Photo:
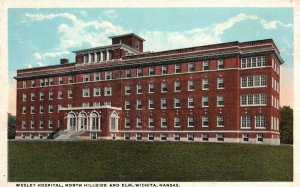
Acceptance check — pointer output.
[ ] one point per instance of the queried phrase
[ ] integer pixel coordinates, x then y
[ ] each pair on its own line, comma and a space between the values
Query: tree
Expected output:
286, 125
11, 130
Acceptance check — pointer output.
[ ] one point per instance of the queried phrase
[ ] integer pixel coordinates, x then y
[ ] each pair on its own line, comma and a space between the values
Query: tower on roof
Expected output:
130, 39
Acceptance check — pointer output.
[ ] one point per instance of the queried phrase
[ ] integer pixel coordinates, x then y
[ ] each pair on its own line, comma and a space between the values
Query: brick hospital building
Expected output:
227, 92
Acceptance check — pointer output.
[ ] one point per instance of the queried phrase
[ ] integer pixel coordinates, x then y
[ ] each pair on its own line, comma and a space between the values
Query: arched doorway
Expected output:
94, 120
114, 121
72, 121
83, 121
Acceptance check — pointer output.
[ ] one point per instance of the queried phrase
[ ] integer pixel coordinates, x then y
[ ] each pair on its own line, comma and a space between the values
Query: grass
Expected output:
33, 161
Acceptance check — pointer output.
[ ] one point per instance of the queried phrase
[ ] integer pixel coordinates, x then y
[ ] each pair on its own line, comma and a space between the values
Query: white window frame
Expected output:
220, 121
205, 119
96, 91
245, 122
204, 101
177, 68
139, 122
177, 102
177, 122
127, 105
177, 86
85, 92
190, 120
191, 66
221, 63
139, 105
139, 89
191, 85
164, 69
150, 121
163, 86
205, 82
97, 76
191, 100
127, 90
151, 88
163, 120
151, 70
108, 75
107, 91
220, 83
151, 102
220, 100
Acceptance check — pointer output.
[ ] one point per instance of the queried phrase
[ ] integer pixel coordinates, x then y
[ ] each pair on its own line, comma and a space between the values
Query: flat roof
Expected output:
128, 34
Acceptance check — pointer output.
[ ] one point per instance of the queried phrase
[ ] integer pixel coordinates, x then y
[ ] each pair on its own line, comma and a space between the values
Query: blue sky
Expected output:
40, 37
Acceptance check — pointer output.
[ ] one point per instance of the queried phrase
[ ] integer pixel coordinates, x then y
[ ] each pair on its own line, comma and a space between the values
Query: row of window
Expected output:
276, 67
127, 74
254, 81
275, 102
50, 95
42, 124
190, 136
253, 62
97, 57
274, 123
177, 103
254, 100
260, 121
275, 84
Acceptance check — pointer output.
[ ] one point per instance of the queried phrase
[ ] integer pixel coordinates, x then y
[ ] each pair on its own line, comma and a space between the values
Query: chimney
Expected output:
64, 61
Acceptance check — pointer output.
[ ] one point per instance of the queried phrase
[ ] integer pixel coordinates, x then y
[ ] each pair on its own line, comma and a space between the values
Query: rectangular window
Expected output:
260, 137
163, 137
163, 103
127, 90
164, 87
191, 85
32, 110
151, 104
33, 83
127, 122
176, 121
42, 83
85, 92
50, 109
151, 88
51, 81
191, 137
252, 62
59, 94
138, 104
220, 121
163, 122
220, 83
23, 109
177, 137
24, 96
177, 68
70, 79
50, 124
205, 85
139, 72
220, 101
204, 101
107, 103
96, 92
96, 104
127, 105
177, 86
108, 75
127, 136
191, 122
176, 103
220, 64
205, 122
152, 70
41, 124
41, 109
205, 65
191, 67
128, 73
50, 95
23, 124
150, 122
220, 137
260, 121
60, 80
70, 93
32, 96
97, 76
138, 88
204, 137
32, 125
253, 100
164, 69
245, 121
243, 82
151, 136
139, 136
190, 102
85, 104
107, 91
24, 84
139, 122
245, 137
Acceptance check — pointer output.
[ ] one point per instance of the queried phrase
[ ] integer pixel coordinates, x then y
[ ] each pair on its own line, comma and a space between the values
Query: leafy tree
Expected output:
11, 130
286, 125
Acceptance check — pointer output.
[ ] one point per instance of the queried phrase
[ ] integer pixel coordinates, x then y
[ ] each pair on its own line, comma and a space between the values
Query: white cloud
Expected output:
29, 66
110, 14
40, 17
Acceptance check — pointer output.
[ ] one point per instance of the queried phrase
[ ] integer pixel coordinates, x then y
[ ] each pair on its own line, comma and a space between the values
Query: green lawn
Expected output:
147, 161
